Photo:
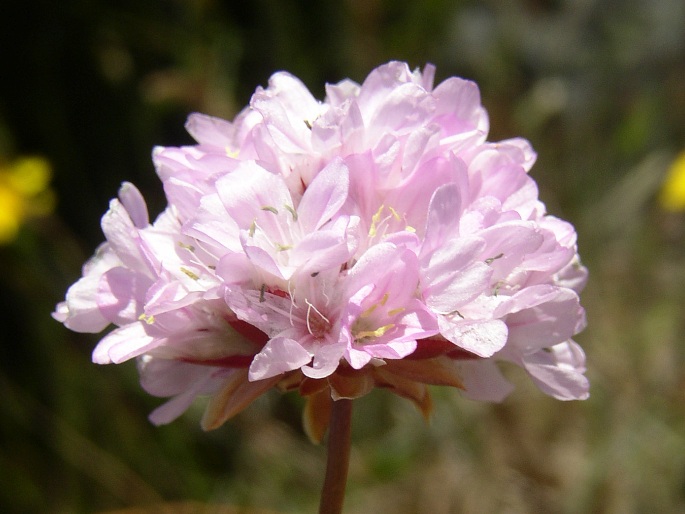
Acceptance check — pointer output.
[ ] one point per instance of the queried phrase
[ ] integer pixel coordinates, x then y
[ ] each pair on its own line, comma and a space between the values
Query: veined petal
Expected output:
324, 197
121, 295
124, 343
134, 204
444, 212
248, 190
326, 360
210, 130
452, 275
123, 238
278, 356
542, 316
484, 338
558, 371
80, 311
483, 381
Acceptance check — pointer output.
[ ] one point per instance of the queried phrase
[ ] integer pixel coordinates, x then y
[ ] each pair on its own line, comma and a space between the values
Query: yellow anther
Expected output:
370, 334
270, 209
189, 273
394, 312
188, 247
375, 219
149, 319
368, 311
394, 214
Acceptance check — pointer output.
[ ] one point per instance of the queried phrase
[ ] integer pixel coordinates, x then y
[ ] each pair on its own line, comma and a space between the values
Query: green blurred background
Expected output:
598, 87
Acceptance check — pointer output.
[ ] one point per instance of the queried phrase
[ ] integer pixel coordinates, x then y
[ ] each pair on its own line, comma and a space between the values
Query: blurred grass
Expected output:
597, 86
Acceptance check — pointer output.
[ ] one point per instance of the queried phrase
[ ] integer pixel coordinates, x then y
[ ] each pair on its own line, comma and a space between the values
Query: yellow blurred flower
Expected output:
24, 193
672, 197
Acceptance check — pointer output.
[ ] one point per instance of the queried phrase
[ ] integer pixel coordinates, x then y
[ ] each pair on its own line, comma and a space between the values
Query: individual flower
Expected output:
373, 239
24, 193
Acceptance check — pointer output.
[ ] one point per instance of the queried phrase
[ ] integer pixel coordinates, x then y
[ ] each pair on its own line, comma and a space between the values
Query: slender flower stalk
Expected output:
337, 465
373, 239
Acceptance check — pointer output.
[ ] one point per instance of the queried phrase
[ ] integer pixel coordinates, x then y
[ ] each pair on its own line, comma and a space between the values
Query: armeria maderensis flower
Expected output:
375, 239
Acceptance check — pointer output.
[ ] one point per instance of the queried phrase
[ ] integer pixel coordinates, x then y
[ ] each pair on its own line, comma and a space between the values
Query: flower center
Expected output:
318, 325
365, 330
387, 220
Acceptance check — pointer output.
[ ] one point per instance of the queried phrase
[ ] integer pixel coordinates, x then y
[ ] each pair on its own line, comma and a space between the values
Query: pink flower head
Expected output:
375, 239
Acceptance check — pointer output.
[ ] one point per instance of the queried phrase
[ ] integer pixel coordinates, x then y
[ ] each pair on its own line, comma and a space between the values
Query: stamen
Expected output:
375, 220
270, 209
394, 312
490, 260
371, 334
149, 319
189, 273
368, 311
291, 211
185, 246
319, 327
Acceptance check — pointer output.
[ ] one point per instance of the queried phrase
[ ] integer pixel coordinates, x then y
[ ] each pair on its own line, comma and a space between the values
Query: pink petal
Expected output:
324, 197
134, 204
326, 361
444, 212
559, 373
458, 106
483, 381
452, 276
484, 338
210, 130
123, 344
121, 295
542, 316
250, 188
279, 356
80, 312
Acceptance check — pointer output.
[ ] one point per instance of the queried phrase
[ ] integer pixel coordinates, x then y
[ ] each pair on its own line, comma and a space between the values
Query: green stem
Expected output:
339, 440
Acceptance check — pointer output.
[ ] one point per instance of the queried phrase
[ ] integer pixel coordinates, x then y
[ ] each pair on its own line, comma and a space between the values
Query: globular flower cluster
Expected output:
375, 239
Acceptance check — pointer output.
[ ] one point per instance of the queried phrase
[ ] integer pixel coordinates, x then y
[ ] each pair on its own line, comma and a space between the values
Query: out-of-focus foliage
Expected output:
596, 85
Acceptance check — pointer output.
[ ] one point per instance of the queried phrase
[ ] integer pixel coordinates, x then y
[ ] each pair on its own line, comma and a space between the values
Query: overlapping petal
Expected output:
372, 239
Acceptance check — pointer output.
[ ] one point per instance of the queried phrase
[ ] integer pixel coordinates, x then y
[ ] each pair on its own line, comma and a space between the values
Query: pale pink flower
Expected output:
373, 239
